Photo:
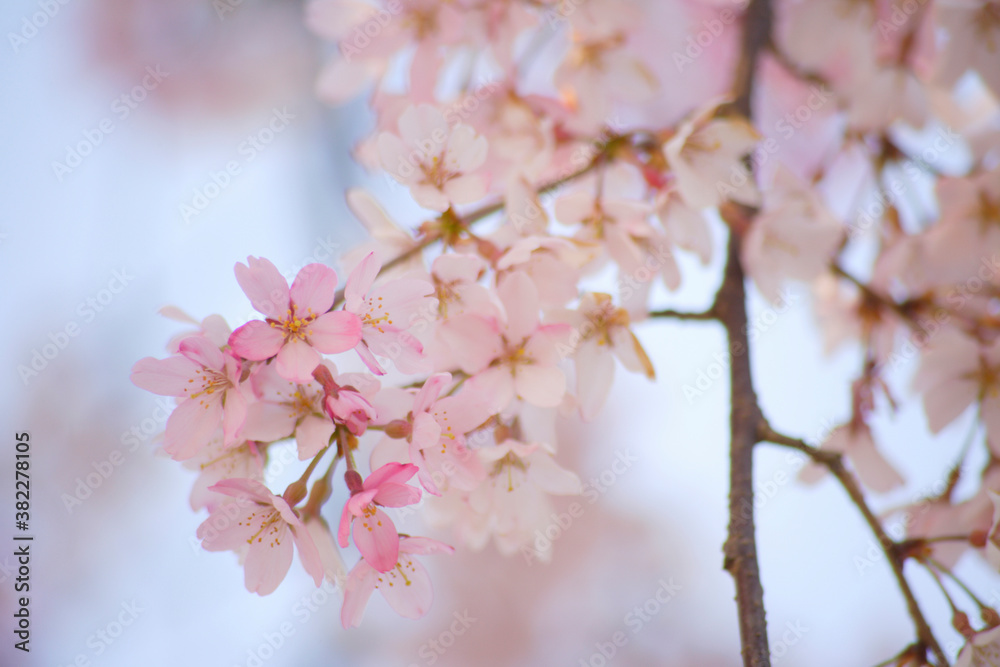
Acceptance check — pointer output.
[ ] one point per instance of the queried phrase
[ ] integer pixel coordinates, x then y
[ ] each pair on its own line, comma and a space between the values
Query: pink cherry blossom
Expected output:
374, 532
794, 237
406, 585
436, 161
259, 524
517, 357
386, 313
434, 428
298, 325
513, 502
955, 372
216, 463
706, 155
208, 381
285, 409
347, 398
600, 333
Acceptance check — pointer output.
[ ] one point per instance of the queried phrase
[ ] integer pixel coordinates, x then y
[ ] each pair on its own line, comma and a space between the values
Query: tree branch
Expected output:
834, 462
741, 549
730, 306
683, 315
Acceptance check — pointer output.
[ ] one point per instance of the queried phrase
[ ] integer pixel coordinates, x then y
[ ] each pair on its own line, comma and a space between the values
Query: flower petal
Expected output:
266, 288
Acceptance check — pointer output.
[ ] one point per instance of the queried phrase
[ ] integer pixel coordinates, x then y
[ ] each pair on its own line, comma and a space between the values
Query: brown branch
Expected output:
478, 214
684, 315
894, 552
740, 548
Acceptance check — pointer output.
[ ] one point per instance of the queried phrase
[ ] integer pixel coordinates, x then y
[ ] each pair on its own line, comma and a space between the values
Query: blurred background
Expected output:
148, 147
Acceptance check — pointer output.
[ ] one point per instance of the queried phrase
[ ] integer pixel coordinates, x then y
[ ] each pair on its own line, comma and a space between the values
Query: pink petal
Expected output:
344, 528
473, 341
874, 470
190, 426
244, 489
410, 597
466, 150
394, 157
392, 494
424, 124
308, 554
166, 377
265, 286
203, 351
369, 359
426, 431
430, 391
268, 559
336, 332
357, 591
268, 422
390, 472
377, 540
496, 384
313, 289
234, 414
595, 371
297, 360
312, 435
546, 473
256, 340
543, 386
360, 281
520, 300
466, 189
424, 545
945, 402
430, 197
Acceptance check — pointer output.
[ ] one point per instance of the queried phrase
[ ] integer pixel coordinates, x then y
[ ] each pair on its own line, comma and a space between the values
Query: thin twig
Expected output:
834, 462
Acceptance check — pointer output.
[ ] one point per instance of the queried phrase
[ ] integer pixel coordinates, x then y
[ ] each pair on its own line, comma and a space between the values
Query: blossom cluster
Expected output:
871, 173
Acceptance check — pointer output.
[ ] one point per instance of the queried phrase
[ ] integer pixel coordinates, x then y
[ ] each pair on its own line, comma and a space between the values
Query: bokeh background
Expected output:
98, 247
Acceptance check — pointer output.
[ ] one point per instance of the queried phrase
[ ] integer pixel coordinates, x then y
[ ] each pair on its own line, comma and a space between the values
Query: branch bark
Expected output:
741, 548
730, 305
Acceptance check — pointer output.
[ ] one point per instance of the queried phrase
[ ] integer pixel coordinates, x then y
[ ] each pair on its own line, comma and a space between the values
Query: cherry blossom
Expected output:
386, 312
259, 524
600, 335
436, 161
374, 532
208, 382
517, 357
298, 327
406, 586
